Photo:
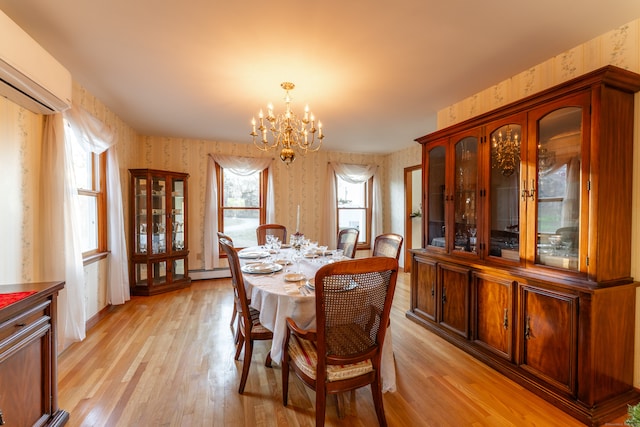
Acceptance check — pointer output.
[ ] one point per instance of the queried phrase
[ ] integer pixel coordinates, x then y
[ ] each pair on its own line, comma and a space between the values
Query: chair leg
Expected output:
239, 345
376, 391
246, 363
267, 362
285, 379
321, 404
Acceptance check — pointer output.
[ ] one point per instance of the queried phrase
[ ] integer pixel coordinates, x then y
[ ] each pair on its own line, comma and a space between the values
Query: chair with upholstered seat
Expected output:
249, 326
344, 352
277, 230
348, 241
387, 245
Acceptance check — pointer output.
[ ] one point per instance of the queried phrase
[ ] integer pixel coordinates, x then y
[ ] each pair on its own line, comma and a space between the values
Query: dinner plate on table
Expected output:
253, 254
310, 285
260, 268
283, 262
294, 277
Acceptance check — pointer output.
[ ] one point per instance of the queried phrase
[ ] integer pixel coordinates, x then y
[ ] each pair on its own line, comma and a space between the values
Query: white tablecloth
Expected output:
277, 299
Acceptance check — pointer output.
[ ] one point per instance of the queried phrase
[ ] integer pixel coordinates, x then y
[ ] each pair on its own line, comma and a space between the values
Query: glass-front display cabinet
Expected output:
527, 257
159, 253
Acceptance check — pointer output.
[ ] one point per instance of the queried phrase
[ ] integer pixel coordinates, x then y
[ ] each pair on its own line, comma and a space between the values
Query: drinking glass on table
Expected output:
337, 255
296, 257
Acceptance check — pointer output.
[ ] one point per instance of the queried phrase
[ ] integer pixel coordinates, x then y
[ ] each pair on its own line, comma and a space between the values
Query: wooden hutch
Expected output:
526, 257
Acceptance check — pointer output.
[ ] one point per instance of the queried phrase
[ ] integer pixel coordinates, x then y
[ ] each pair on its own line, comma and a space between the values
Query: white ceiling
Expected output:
374, 72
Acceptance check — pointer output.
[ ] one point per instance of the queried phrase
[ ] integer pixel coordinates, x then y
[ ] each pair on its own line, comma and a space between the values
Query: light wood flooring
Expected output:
167, 360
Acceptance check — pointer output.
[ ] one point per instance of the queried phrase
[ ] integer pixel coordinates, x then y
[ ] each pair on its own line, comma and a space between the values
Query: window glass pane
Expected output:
351, 195
82, 165
241, 191
353, 218
549, 214
89, 227
240, 225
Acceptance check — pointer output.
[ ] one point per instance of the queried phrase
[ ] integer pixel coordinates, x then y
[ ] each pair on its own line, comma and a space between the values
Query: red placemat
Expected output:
10, 298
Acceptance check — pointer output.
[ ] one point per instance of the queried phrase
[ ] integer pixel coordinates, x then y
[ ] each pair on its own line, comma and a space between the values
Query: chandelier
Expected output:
507, 152
287, 130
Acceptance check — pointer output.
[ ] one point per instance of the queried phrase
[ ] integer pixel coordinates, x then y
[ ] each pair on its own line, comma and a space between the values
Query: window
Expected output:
354, 208
90, 175
241, 205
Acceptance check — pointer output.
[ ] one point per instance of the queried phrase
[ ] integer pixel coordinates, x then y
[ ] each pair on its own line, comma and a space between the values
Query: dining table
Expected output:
280, 287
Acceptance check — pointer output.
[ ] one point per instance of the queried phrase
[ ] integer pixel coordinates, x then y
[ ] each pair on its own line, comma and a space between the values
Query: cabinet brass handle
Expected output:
20, 325
527, 329
433, 291
1, 418
524, 193
532, 193
444, 295
505, 319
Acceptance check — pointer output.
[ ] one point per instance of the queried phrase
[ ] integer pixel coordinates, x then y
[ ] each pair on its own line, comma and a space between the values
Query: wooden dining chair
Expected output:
344, 352
348, 241
387, 245
234, 312
249, 321
280, 231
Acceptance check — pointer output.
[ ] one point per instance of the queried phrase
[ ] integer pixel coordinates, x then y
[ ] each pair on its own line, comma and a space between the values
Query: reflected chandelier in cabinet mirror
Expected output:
505, 193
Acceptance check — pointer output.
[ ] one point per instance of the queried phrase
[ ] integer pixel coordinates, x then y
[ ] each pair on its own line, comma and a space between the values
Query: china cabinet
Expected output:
527, 254
29, 358
159, 253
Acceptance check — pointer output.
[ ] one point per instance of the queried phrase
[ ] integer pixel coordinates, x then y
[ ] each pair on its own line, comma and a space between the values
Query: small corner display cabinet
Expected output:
526, 261
159, 253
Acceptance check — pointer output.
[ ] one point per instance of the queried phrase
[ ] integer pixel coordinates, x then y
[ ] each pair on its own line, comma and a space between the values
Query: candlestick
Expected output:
298, 220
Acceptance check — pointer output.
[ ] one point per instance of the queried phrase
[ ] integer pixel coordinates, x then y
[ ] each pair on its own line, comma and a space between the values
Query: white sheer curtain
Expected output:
97, 138
61, 254
354, 174
239, 166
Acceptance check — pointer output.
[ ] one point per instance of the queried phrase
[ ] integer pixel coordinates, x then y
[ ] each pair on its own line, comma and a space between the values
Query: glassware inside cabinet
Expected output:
179, 269
435, 213
140, 209
178, 215
504, 211
158, 215
159, 272
558, 190
466, 185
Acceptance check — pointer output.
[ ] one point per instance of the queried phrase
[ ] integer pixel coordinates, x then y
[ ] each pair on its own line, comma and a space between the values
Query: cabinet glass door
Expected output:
504, 209
177, 215
140, 209
158, 215
464, 198
435, 212
558, 190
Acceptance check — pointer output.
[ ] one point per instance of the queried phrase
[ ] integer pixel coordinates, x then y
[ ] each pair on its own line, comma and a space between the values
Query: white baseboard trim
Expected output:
217, 273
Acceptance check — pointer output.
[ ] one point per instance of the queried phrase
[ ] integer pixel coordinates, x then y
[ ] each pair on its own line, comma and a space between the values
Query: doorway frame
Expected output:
408, 221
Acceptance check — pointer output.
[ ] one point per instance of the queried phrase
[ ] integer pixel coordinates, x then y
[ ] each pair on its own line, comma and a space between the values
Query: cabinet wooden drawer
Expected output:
34, 320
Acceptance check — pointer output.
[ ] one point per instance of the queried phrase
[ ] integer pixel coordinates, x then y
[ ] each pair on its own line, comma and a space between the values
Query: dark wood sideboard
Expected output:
526, 257
28, 357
